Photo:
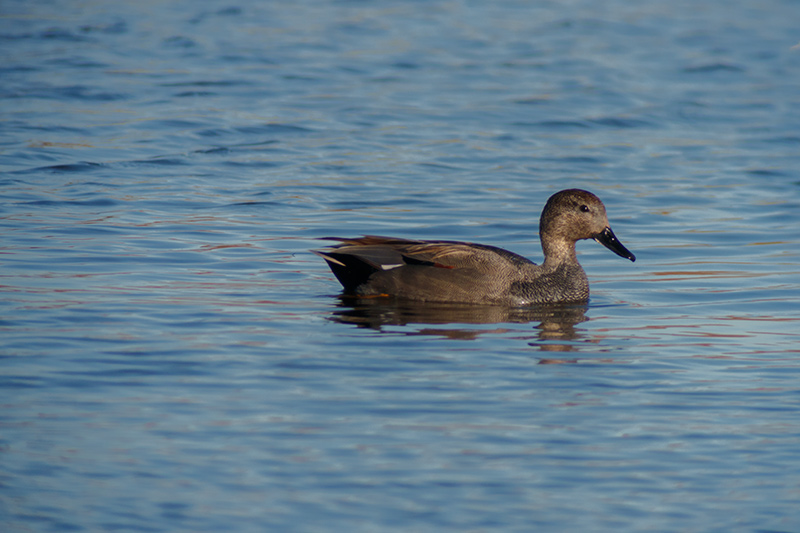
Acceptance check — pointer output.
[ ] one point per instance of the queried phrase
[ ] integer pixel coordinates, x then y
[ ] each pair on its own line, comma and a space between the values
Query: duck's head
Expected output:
574, 214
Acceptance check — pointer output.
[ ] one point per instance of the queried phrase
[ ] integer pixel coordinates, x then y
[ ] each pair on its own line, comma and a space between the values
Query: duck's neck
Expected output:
557, 251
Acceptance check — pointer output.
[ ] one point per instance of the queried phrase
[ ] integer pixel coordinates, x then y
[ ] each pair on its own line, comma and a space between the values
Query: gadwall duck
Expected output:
451, 271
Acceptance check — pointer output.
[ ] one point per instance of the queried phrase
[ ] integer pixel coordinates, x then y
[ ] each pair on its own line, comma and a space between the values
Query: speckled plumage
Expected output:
451, 271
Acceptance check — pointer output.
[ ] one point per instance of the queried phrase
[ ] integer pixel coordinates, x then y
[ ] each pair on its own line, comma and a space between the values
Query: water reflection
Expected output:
555, 322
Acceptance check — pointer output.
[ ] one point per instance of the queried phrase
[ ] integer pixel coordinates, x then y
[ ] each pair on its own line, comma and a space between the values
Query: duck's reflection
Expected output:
554, 322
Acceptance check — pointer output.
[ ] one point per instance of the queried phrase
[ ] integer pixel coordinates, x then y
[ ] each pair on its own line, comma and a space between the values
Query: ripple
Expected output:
68, 92
554, 124
713, 67
84, 166
98, 202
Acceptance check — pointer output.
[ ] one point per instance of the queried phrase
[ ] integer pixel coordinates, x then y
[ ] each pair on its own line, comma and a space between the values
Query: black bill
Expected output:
610, 241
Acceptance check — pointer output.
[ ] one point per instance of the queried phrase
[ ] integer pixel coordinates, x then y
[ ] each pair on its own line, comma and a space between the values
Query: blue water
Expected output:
174, 359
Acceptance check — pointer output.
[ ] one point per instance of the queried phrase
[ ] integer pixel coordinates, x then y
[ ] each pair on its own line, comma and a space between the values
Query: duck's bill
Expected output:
610, 241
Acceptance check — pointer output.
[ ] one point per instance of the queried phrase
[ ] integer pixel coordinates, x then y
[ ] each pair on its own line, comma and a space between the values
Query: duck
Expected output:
471, 273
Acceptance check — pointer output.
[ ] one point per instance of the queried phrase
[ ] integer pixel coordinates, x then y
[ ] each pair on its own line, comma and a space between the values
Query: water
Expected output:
173, 358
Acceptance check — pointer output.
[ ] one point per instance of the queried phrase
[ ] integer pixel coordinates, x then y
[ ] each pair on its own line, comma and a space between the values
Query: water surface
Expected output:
174, 359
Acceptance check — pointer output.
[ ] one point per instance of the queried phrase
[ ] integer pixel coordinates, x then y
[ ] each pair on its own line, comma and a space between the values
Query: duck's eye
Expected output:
585, 208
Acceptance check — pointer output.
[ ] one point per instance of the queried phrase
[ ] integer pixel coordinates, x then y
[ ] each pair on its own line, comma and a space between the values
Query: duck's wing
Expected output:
353, 261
